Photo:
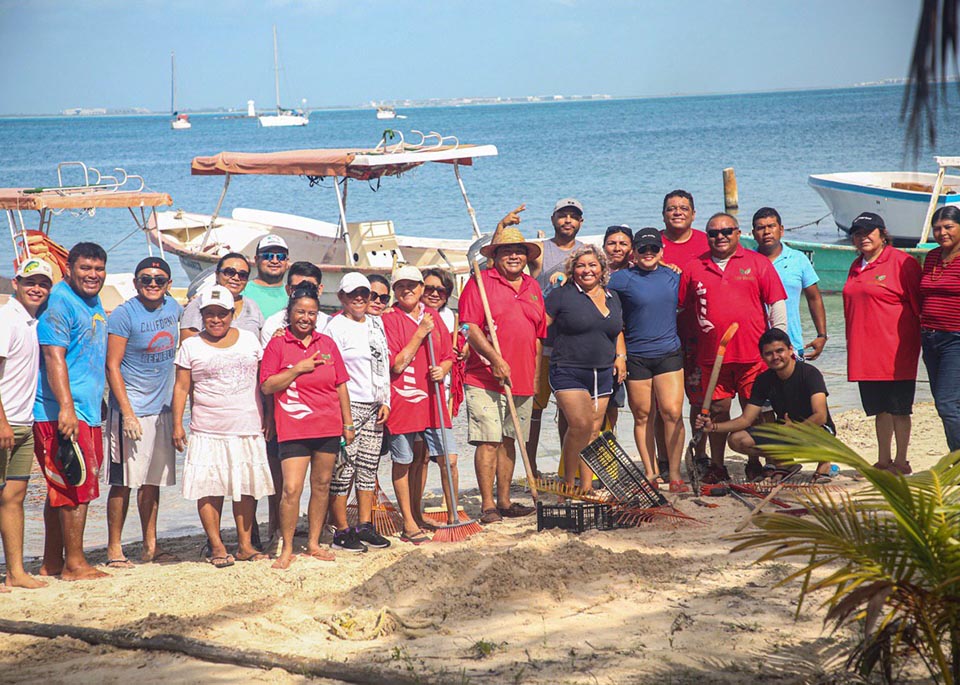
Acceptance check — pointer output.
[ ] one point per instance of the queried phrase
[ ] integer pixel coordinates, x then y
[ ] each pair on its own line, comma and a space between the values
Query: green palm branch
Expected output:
888, 553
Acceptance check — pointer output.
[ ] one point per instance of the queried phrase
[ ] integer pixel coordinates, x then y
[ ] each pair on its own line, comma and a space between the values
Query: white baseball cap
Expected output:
216, 295
568, 202
407, 272
271, 240
35, 267
352, 281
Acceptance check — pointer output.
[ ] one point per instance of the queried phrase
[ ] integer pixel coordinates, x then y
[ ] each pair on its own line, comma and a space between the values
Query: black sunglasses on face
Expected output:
384, 298
434, 290
648, 249
146, 280
717, 232
230, 272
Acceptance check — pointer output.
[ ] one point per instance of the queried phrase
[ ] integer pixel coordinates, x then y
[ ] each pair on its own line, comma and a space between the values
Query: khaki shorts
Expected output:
15, 464
542, 398
488, 418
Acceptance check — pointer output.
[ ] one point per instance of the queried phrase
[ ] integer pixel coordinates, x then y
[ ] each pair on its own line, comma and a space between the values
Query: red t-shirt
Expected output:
310, 406
881, 307
520, 319
681, 254
740, 293
413, 403
940, 293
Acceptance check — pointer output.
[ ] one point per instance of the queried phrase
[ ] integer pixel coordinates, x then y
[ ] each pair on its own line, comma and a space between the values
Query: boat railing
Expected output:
438, 141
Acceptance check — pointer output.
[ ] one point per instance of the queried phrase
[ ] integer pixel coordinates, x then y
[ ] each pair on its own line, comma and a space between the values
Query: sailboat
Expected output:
179, 121
283, 117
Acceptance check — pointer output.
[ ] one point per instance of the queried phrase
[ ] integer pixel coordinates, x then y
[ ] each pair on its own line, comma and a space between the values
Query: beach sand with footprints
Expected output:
664, 602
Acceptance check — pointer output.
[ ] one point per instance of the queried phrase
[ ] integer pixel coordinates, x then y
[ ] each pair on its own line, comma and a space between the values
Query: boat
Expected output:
900, 197
91, 193
179, 121
199, 240
283, 117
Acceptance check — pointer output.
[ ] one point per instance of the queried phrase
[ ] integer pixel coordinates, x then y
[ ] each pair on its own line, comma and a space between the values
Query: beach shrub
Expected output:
888, 554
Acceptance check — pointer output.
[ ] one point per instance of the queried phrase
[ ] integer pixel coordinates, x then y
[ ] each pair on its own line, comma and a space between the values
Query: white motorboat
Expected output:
199, 240
179, 122
386, 112
283, 117
900, 197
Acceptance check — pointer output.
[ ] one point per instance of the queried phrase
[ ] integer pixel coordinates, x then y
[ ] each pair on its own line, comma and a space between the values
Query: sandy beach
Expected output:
664, 602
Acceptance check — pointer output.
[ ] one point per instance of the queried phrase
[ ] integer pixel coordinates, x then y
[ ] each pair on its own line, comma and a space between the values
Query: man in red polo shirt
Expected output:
727, 284
682, 243
516, 304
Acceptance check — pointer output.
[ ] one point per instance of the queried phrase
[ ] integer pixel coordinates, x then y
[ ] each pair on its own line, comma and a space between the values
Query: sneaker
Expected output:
347, 540
715, 474
369, 536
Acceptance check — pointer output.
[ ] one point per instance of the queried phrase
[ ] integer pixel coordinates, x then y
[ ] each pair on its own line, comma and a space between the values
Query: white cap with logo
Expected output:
35, 267
271, 240
216, 295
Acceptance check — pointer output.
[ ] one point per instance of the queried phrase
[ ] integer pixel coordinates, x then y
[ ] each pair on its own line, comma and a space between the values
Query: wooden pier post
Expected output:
731, 198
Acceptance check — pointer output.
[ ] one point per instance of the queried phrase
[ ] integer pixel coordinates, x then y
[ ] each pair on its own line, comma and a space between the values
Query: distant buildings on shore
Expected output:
100, 111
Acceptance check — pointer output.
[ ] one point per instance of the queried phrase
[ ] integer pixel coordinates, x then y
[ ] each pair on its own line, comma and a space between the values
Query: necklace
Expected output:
941, 266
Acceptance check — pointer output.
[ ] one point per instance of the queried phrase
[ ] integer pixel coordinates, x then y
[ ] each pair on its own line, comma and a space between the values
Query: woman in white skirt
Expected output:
226, 452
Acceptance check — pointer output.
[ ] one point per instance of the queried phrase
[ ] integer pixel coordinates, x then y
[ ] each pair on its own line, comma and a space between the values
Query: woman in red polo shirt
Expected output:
304, 372
881, 306
940, 320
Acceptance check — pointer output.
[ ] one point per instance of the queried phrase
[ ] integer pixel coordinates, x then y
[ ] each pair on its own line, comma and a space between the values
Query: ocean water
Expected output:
618, 157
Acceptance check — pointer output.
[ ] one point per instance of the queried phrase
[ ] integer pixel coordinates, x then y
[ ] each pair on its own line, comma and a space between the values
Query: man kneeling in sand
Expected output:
797, 392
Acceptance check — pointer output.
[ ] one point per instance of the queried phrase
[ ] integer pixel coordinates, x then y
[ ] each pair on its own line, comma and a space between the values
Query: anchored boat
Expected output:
199, 240
283, 117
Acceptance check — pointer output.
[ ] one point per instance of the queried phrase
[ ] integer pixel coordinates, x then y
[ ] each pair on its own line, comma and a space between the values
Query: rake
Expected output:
555, 486
456, 528
386, 518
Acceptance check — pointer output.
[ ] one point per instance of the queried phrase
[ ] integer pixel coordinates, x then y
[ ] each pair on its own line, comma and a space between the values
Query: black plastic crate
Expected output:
619, 473
575, 517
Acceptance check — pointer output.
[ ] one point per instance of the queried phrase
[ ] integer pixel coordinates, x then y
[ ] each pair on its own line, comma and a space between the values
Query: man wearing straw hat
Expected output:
516, 305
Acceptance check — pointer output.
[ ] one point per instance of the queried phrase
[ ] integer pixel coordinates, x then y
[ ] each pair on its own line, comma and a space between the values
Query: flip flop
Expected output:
322, 555
418, 538
221, 562
72, 464
118, 563
164, 558
256, 556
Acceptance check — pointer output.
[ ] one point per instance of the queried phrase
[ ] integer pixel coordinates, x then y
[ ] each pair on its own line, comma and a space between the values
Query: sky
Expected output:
116, 54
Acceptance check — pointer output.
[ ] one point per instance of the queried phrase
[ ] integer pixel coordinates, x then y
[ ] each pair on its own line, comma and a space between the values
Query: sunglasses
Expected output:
384, 298
435, 290
230, 272
717, 232
272, 256
304, 290
648, 249
146, 280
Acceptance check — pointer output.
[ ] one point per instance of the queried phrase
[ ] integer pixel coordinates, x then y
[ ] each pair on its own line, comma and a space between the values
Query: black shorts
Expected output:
273, 448
645, 368
306, 448
890, 397
762, 441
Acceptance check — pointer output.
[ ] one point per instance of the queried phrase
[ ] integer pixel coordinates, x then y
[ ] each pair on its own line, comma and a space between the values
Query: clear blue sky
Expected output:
116, 54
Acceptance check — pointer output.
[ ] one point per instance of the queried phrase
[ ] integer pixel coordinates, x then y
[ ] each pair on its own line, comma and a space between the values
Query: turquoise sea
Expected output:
618, 157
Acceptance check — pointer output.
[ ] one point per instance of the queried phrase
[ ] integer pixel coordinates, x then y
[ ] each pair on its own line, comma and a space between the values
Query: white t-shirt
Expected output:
226, 394
352, 339
19, 363
278, 320
448, 317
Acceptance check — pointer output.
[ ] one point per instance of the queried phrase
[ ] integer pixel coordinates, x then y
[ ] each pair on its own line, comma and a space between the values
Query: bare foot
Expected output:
159, 557
4, 588
25, 581
283, 563
85, 572
46, 570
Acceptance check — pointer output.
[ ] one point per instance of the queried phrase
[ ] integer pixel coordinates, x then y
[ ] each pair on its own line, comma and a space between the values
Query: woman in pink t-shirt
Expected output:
304, 372
226, 452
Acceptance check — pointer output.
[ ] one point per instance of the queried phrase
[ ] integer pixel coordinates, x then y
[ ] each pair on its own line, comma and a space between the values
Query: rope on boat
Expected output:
809, 223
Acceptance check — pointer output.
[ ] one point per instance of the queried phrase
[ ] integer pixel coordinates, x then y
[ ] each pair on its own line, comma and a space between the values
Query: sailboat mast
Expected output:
173, 86
276, 68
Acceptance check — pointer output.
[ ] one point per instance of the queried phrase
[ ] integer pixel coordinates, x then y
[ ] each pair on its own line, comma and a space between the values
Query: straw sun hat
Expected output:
510, 236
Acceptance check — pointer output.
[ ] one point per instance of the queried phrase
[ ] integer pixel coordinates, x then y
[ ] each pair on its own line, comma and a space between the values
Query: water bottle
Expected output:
834, 470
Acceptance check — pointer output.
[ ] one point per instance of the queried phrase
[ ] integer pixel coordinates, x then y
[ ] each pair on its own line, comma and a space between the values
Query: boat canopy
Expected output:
75, 198
357, 164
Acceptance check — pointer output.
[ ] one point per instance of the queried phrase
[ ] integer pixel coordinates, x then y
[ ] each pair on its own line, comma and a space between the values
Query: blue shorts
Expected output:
401, 446
597, 382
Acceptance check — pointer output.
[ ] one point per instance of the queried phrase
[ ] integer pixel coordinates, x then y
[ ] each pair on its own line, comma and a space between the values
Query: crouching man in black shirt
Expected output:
797, 392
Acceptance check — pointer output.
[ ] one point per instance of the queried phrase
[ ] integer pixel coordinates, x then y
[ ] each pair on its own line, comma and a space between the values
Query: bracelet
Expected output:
621, 356
349, 427
822, 335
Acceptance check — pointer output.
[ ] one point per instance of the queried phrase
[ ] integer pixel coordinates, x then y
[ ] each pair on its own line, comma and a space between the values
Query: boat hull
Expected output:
848, 194
282, 120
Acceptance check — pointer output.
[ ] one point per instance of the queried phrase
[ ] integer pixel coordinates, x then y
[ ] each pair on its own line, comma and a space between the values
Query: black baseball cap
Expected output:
647, 236
867, 221
153, 263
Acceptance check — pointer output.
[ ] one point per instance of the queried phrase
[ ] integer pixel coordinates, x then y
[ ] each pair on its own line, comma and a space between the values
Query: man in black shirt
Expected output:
797, 392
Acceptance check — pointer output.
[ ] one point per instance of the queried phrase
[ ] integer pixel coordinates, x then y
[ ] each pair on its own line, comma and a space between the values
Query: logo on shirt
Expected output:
705, 324
292, 405
881, 277
161, 342
410, 391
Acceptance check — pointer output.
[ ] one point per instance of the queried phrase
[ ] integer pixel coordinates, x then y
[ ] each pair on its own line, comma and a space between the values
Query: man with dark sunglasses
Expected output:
141, 345
267, 289
725, 285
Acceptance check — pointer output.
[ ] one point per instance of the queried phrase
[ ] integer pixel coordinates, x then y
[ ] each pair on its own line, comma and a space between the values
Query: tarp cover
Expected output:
349, 163
53, 198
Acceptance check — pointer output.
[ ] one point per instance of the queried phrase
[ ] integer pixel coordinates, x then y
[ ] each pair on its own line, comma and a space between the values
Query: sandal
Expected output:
256, 556
753, 471
904, 470
821, 479
490, 516
417, 538
678, 486
221, 562
115, 564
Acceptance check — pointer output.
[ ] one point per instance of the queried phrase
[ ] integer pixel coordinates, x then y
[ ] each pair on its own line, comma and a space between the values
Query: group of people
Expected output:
275, 386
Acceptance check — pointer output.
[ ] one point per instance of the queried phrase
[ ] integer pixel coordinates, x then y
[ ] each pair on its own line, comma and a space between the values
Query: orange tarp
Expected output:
53, 198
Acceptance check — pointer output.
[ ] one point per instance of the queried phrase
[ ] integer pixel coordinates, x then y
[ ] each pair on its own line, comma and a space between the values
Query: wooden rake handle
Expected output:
531, 479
